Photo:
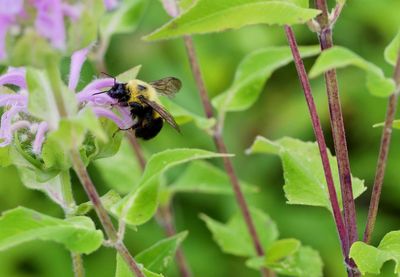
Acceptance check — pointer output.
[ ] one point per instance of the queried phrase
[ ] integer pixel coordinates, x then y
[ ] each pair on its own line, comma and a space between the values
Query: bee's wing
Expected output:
167, 86
162, 112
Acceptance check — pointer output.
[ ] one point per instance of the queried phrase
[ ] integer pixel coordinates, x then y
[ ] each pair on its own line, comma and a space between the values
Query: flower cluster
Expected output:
49, 19
16, 115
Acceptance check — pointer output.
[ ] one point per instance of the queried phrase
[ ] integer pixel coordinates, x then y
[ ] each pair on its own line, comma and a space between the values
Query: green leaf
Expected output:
303, 172
128, 75
158, 256
339, 57
233, 237
300, 261
122, 171
392, 50
20, 225
124, 19
141, 204
213, 16
51, 185
281, 249
251, 75
108, 200
369, 259
183, 116
124, 271
203, 177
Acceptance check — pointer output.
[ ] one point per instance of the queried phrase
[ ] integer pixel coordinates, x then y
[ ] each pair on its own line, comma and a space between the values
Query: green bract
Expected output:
303, 172
213, 16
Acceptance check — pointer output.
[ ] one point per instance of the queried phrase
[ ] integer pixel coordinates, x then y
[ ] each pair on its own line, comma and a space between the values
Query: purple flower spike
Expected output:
39, 139
77, 60
11, 7
110, 4
14, 76
50, 21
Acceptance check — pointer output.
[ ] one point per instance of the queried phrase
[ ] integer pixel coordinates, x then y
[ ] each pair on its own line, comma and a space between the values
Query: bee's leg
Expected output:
134, 126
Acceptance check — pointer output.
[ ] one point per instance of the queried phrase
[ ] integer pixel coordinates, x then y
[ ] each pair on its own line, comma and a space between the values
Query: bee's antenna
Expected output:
100, 92
115, 79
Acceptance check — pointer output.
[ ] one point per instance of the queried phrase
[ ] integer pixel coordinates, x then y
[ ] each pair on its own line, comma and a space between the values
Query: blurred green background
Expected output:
366, 27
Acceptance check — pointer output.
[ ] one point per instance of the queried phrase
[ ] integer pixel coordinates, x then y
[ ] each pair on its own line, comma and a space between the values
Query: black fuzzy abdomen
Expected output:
150, 129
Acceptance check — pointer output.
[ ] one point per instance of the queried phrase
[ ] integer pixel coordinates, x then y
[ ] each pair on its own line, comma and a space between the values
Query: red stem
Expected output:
338, 131
220, 145
383, 154
319, 135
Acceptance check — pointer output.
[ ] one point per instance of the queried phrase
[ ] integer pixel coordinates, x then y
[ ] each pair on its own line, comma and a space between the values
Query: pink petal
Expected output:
50, 21
77, 60
171, 7
14, 76
40, 136
96, 86
103, 112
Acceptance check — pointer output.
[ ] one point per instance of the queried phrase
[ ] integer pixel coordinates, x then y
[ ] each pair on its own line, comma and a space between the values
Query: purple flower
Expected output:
49, 21
8, 11
17, 103
110, 4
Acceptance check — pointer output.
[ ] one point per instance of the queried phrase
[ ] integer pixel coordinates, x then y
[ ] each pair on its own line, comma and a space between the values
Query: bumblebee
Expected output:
145, 108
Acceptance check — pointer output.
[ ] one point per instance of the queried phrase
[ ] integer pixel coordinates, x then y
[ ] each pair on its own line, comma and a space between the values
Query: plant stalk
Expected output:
164, 214
69, 210
77, 262
319, 135
166, 217
338, 130
383, 154
220, 145
101, 212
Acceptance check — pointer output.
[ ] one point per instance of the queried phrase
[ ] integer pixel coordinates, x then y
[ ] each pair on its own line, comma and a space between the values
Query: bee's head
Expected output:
118, 91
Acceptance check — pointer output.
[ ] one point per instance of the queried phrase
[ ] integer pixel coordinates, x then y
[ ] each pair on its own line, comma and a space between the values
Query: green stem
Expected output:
53, 74
77, 262
66, 189
105, 219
